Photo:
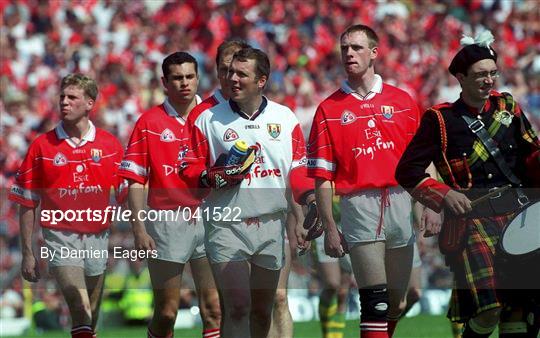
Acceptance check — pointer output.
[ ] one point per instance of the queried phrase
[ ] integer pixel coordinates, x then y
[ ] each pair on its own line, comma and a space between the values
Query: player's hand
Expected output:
457, 202
301, 242
431, 222
143, 241
30, 268
219, 177
334, 243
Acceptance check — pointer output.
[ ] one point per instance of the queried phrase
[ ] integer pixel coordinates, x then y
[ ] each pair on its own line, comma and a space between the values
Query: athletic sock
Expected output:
335, 326
211, 333
326, 313
374, 329
82, 331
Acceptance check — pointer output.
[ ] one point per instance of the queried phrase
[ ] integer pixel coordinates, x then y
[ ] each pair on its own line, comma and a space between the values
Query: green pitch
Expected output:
416, 327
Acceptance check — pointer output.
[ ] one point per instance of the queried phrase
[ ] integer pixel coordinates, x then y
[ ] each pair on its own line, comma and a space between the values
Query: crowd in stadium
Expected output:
122, 44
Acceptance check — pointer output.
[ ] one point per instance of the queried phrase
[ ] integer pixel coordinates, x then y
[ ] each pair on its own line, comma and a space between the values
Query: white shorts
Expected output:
259, 241
360, 215
89, 251
177, 241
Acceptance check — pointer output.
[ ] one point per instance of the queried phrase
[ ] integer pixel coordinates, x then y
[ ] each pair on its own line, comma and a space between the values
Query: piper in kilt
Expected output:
478, 143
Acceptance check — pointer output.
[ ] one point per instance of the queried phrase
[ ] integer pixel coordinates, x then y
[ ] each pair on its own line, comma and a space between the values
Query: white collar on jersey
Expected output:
90, 135
170, 109
375, 89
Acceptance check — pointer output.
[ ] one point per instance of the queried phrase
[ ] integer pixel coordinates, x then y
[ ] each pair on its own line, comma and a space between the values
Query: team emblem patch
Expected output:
347, 117
96, 154
59, 160
387, 111
230, 135
274, 129
167, 136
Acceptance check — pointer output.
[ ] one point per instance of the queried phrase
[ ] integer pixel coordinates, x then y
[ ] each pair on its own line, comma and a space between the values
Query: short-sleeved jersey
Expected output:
62, 175
280, 162
152, 156
357, 141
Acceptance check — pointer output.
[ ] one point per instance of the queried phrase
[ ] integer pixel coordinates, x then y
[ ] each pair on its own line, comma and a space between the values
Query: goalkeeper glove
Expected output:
220, 176
312, 222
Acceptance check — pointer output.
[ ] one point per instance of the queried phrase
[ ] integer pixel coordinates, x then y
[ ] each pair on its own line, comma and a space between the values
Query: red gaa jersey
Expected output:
357, 141
66, 176
152, 155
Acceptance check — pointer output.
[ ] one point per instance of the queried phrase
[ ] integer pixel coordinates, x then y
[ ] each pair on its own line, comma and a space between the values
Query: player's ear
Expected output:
460, 77
90, 104
374, 52
261, 82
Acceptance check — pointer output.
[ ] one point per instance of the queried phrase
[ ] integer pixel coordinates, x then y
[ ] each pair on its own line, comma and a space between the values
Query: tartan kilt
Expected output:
475, 274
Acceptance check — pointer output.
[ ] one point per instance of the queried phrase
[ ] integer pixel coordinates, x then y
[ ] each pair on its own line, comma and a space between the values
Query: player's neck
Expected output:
249, 107
183, 108
363, 83
76, 129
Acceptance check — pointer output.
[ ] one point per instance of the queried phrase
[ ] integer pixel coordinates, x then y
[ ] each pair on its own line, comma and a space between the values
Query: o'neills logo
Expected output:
167, 136
230, 135
347, 117
59, 160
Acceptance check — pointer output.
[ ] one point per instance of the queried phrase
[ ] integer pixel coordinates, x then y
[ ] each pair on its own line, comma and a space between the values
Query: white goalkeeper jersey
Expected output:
280, 163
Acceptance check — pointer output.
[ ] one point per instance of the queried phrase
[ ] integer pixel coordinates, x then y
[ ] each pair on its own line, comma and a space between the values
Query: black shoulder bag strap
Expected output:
477, 127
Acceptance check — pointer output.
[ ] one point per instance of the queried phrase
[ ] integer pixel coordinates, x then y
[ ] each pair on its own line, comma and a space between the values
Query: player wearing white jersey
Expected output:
247, 249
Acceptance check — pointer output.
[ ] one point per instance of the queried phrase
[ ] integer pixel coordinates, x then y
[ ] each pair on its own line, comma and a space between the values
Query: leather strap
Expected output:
477, 127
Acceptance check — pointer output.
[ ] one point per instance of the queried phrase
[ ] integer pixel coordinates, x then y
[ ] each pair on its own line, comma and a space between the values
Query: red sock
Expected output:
374, 330
391, 327
211, 333
150, 334
82, 331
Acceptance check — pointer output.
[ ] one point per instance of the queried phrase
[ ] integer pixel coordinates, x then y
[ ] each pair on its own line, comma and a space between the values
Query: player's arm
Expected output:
332, 237
295, 224
136, 198
29, 264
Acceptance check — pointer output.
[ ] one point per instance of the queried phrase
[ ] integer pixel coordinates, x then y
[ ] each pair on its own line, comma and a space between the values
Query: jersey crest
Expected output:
96, 154
59, 160
167, 135
274, 129
230, 135
387, 111
347, 117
